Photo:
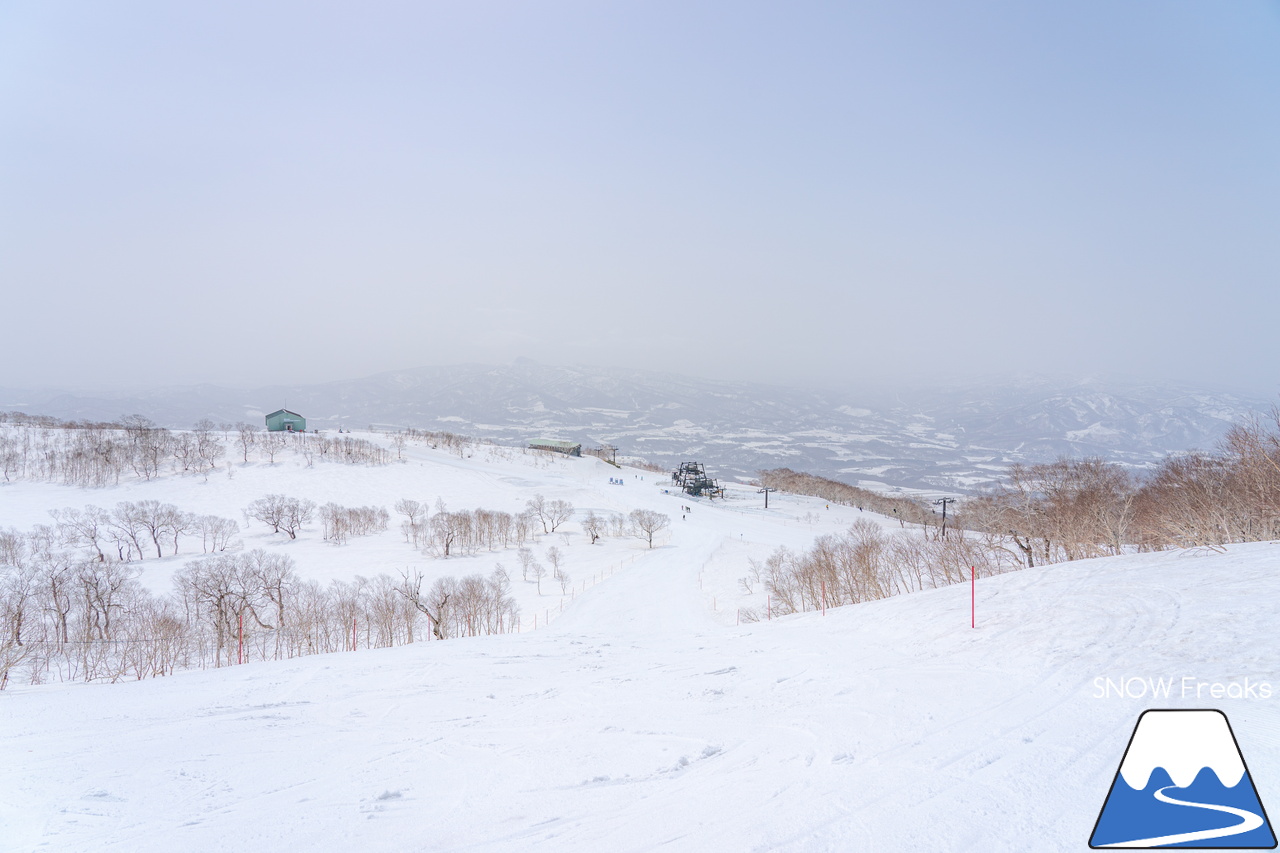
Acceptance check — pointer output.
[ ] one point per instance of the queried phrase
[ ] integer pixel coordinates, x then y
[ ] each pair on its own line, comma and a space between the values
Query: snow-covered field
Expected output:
642, 718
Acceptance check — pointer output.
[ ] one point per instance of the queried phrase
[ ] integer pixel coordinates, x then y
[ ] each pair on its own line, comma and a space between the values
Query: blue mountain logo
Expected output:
1183, 783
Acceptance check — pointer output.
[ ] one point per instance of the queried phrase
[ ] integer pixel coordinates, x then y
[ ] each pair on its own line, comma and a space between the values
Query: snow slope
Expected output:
643, 718
485, 476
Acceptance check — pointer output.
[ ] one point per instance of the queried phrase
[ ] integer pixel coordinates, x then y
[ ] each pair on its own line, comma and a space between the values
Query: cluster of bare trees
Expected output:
69, 614
79, 453
1076, 508
445, 533
1052, 512
94, 455
550, 514
468, 531
134, 529
342, 522
531, 568
463, 607
1064, 510
283, 514
310, 446
343, 448
905, 510
68, 617
865, 563
219, 593
460, 445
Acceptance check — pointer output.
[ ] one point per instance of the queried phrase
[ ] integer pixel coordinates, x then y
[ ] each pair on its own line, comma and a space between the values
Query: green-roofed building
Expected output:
568, 448
286, 421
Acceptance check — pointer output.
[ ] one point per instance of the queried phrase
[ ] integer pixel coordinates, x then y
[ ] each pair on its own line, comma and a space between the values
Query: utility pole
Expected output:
765, 491
944, 502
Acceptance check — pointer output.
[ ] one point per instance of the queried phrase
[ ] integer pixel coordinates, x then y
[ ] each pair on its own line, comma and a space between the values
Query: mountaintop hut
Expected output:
568, 448
286, 421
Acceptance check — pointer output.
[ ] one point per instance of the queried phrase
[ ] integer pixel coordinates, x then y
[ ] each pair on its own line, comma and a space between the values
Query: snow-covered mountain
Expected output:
952, 438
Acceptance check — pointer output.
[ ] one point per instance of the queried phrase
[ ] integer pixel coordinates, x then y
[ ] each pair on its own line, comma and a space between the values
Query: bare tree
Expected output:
87, 529
593, 526
247, 436
276, 580
525, 556
414, 514
127, 530
433, 605
537, 507
447, 528
105, 589
557, 513
161, 521
183, 449
646, 524
555, 557
269, 510
271, 444
215, 532
209, 448
148, 445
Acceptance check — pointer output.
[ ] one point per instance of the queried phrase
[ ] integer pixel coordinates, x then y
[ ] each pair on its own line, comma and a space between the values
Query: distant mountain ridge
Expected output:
952, 439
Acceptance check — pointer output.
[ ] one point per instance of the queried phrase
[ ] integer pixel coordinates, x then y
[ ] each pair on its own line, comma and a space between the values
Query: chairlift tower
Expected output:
944, 502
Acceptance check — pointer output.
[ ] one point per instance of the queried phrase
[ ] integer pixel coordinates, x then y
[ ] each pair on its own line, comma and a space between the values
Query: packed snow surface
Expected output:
643, 717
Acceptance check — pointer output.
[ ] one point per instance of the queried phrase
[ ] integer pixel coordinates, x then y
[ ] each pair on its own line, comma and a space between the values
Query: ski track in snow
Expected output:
642, 718
1248, 822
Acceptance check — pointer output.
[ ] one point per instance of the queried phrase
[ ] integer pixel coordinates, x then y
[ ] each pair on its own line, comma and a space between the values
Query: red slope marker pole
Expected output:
973, 597
240, 649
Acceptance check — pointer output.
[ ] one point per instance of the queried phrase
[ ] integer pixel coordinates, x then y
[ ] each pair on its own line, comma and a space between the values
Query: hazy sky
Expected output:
817, 192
